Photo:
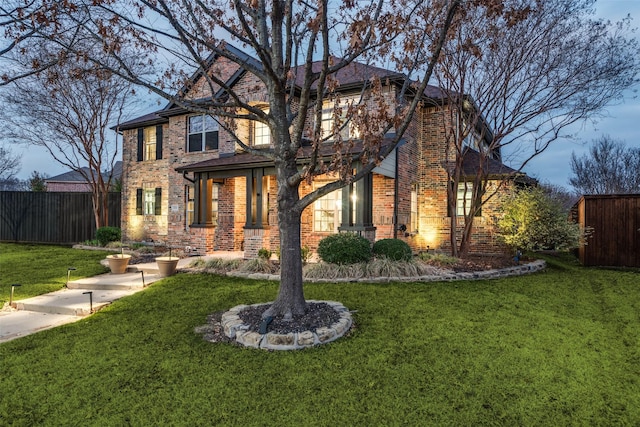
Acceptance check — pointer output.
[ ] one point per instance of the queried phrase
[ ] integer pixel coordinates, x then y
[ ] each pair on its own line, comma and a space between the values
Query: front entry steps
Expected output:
85, 296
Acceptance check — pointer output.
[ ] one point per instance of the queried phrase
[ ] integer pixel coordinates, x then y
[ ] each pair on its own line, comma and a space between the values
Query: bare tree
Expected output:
67, 109
609, 168
21, 23
516, 82
287, 38
9, 164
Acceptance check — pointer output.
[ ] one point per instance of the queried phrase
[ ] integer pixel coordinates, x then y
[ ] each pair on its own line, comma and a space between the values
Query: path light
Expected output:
69, 270
142, 272
11, 296
90, 300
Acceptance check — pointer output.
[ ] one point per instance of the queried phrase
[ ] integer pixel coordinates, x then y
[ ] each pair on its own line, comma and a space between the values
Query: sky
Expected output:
552, 166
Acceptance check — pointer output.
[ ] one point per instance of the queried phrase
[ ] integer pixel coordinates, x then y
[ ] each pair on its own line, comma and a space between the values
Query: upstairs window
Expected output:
203, 133
261, 133
347, 130
150, 143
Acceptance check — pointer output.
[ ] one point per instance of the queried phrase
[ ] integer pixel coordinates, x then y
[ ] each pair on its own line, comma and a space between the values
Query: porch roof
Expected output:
472, 160
245, 160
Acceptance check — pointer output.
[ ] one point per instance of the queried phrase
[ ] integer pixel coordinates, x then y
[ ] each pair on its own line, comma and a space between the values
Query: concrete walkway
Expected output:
80, 298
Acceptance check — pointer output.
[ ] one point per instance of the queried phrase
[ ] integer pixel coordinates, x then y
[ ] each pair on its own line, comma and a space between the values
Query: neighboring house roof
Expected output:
77, 177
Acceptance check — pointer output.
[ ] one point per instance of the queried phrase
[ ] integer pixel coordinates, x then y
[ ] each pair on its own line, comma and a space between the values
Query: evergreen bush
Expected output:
105, 235
344, 248
394, 249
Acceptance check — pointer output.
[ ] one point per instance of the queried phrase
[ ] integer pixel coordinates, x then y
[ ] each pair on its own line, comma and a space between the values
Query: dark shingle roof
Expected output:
244, 160
351, 76
492, 167
76, 176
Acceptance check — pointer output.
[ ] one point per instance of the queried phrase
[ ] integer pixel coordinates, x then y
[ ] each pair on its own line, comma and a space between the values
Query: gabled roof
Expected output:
76, 176
350, 77
150, 119
492, 168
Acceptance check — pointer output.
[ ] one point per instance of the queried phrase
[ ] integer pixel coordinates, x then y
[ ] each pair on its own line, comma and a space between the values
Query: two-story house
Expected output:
187, 183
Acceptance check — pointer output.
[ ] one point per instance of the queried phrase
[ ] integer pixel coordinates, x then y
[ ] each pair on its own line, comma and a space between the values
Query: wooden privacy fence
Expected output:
63, 218
615, 224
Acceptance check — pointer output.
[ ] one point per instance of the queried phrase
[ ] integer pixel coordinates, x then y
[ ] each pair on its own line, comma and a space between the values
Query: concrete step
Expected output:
16, 324
72, 302
126, 281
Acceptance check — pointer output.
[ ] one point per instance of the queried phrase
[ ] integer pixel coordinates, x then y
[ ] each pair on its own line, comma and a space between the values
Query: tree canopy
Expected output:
610, 167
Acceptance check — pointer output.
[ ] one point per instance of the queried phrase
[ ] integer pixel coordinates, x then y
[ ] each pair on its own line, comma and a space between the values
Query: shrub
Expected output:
305, 253
344, 248
531, 220
394, 249
258, 265
104, 235
264, 253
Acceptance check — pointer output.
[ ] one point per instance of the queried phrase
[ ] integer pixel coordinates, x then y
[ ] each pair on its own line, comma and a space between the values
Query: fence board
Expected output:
62, 218
615, 221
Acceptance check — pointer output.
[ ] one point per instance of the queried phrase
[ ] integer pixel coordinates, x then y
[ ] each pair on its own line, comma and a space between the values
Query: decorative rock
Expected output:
234, 328
249, 339
306, 339
341, 326
274, 341
231, 327
326, 334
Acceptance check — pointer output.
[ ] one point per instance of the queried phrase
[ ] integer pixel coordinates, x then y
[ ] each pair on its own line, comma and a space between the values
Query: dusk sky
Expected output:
621, 122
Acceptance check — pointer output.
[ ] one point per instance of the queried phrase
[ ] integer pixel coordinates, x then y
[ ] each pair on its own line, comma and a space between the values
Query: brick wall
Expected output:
421, 167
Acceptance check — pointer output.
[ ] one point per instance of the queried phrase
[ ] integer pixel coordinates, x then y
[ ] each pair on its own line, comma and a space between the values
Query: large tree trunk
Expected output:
290, 301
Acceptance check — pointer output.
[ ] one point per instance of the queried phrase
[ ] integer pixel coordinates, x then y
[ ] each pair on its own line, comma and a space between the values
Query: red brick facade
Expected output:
420, 169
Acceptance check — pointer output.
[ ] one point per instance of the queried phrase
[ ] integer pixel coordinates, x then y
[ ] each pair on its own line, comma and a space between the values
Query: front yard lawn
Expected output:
43, 268
556, 348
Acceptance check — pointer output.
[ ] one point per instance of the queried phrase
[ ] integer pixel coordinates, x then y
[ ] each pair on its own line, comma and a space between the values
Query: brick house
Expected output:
75, 182
187, 183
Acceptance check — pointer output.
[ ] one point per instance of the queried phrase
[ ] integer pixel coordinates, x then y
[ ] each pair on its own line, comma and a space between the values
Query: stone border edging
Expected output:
235, 329
518, 270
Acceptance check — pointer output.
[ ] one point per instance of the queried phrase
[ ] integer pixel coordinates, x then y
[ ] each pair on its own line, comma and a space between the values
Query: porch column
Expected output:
357, 208
255, 230
203, 201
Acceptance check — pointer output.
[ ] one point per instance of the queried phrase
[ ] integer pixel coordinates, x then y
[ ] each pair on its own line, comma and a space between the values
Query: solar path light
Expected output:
69, 270
11, 295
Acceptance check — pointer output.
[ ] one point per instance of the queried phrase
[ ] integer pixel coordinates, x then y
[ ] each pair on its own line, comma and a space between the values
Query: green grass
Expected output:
43, 268
556, 348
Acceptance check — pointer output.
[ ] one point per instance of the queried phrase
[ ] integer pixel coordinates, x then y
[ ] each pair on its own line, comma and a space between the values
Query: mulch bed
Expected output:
482, 263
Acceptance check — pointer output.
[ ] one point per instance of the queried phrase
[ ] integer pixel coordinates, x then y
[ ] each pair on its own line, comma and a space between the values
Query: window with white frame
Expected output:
260, 132
215, 190
327, 212
149, 201
202, 133
149, 143
464, 199
338, 117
